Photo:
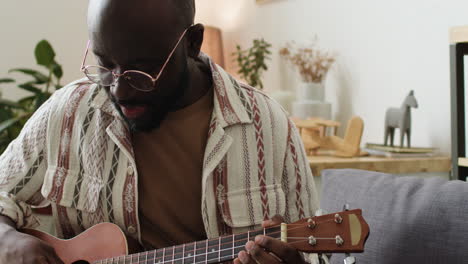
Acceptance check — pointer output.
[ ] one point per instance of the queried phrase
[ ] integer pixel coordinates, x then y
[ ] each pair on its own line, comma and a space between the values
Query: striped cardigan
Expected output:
75, 153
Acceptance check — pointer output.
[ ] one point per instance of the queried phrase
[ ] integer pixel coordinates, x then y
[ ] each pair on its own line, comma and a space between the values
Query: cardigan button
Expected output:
131, 229
130, 170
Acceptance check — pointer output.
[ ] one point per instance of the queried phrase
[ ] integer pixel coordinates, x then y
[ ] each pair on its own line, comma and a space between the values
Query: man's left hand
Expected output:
267, 250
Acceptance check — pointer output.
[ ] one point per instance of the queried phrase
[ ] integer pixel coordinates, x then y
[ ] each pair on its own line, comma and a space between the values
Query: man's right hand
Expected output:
17, 247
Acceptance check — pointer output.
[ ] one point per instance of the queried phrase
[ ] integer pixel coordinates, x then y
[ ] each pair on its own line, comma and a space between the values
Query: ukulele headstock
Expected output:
341, 232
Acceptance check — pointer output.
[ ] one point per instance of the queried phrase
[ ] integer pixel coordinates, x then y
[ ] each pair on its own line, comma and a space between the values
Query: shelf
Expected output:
459, 34
463, 162
381, 164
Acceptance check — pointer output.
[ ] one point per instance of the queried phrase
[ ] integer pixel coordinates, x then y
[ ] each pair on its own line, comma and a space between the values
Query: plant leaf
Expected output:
4, 102
39, 77
44, 53
7, 80
8, 123
57, 70
27, 102
30, 87
5, 114
40, 99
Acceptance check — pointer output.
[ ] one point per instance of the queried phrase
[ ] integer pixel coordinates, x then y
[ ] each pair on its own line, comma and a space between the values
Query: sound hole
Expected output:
81, 262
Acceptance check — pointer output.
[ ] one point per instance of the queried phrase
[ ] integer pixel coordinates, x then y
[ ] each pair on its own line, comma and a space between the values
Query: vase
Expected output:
310, 102
284, 98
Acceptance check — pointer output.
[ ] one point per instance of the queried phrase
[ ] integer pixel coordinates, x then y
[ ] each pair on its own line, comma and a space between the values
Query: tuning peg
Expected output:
339, 241
346, 207
338, 219
350, 260
311, 223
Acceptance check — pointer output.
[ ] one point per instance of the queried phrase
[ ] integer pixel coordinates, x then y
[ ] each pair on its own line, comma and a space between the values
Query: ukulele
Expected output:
105, 243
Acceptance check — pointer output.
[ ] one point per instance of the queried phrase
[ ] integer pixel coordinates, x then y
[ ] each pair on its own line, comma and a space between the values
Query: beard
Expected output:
158, 107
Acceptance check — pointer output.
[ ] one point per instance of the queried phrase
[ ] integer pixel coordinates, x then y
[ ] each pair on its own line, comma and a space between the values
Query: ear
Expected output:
195, 40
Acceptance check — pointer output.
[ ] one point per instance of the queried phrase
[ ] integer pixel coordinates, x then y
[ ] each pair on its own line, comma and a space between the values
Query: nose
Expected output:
121, 90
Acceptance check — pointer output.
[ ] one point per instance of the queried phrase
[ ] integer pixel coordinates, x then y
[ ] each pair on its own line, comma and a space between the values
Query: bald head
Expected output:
169, 13
183, 9
140, 35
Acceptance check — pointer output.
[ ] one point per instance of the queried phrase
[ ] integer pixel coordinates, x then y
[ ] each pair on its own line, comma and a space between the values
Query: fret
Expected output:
121, 259
274, 232
178, 257
165, 257
213, 251
194, 251
158, 256
226, 248
146, 257
201, 251
183, 254
189, 256
219, 249
139, 258
233, 246
173, 254
151, 257
239, 243
206, 255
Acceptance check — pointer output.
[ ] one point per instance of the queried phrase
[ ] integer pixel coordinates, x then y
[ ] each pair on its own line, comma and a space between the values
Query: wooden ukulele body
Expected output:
101, 241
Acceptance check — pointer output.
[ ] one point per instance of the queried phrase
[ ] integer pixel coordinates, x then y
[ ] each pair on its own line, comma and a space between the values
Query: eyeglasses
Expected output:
138, 80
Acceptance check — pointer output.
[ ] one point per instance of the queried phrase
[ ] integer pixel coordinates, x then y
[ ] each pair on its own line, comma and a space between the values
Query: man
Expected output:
158, 140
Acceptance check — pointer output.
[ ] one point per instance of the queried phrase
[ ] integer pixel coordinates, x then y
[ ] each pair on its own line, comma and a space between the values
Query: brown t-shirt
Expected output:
169, 162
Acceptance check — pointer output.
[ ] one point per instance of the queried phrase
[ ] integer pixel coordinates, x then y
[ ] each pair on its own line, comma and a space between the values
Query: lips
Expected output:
132, 112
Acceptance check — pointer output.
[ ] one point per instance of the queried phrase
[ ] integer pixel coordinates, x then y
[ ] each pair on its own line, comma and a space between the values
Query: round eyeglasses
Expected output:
138, 80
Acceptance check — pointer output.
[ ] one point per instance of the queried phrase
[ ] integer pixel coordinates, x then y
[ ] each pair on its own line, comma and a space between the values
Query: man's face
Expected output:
126, 36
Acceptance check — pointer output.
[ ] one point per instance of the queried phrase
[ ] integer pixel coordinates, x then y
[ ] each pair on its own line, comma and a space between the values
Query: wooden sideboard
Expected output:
381, 164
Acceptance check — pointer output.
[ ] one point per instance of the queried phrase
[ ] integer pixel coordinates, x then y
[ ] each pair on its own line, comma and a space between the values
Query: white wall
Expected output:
24, 23
385, 48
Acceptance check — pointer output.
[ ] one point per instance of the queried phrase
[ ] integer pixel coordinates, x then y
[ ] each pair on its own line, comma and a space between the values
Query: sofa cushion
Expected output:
411, 219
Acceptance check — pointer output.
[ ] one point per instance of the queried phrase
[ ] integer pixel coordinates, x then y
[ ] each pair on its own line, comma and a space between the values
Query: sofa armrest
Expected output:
411, 219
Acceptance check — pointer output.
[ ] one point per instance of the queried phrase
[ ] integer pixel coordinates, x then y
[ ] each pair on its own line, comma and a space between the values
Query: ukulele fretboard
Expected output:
208, 251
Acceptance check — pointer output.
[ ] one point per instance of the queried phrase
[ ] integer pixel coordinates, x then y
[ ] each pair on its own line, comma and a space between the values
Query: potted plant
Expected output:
312, 64
252, 62
13, 115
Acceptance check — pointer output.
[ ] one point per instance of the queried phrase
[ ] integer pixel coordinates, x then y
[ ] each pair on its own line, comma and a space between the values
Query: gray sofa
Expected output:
411, 219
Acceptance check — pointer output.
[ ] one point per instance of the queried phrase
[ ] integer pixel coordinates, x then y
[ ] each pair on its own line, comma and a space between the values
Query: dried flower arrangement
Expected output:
311, 62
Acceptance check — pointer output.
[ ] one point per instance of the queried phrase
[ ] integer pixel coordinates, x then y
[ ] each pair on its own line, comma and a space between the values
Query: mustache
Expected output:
128, 102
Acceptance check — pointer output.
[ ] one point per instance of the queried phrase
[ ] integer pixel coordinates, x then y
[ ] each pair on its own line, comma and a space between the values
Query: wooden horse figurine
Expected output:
400, 118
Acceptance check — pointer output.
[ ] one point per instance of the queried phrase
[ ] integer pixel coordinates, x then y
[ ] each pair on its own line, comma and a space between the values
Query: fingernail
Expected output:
243, 257
259, 240
250, 245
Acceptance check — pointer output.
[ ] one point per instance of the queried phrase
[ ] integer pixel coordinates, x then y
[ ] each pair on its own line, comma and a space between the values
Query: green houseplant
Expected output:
14, 114
252, 61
